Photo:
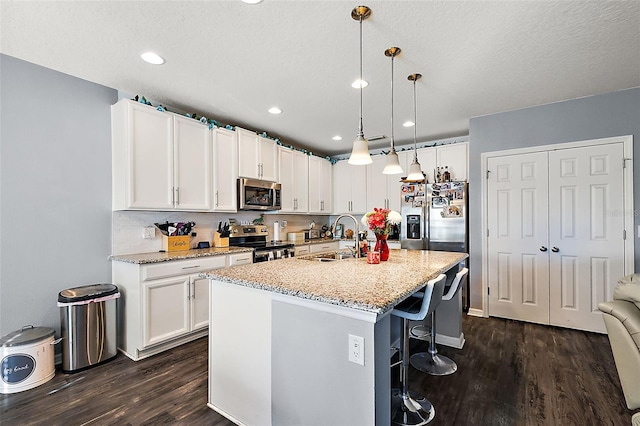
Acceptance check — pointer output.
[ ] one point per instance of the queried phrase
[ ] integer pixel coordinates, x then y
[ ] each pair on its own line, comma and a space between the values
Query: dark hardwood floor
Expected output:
509, 373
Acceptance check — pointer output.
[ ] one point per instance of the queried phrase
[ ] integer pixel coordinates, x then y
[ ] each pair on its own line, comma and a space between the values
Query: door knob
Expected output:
543, 248
555, 249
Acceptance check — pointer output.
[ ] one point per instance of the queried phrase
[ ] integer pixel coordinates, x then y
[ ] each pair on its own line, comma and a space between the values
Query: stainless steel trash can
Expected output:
88, 325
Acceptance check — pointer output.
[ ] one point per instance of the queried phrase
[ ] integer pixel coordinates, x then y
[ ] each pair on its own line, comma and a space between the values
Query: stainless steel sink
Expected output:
328, 257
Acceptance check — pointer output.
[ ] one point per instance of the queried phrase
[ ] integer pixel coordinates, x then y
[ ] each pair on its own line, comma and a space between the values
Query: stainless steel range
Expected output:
255, 236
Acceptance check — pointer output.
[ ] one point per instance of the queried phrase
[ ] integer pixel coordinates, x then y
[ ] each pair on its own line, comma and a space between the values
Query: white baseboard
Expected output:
476, 312
453, 342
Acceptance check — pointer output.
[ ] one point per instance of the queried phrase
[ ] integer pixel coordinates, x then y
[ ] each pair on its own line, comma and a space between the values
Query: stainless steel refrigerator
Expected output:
434, 217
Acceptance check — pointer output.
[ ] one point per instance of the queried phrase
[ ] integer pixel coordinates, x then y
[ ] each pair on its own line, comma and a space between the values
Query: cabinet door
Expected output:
315, 185
268, 159
358, 186
320, 185
301, 181
199, 297
150, 158
326, 190
248, 154
341, 188
287, 180
427, 158
454, 156
165, 308
376, 183
192, 159
225, 170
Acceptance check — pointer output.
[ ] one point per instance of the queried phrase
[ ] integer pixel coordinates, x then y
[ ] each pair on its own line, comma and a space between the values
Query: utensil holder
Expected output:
176, 243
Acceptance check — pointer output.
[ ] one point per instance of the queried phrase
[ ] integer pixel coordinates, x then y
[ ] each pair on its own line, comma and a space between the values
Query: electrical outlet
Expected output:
356, 349
149, 232
283, 224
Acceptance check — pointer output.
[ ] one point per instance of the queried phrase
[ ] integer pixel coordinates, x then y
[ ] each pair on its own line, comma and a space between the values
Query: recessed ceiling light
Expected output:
251, 1
152, 58
359, 83
275, 110
337, 138
409, 124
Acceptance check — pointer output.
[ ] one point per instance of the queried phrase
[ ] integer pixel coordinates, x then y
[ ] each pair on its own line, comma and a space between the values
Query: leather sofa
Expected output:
622, 320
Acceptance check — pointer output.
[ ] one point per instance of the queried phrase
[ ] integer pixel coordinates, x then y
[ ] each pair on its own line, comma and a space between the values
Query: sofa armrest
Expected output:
622, 320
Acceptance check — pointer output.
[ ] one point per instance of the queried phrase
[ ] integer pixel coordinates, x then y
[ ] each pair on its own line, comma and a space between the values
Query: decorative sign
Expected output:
17, 367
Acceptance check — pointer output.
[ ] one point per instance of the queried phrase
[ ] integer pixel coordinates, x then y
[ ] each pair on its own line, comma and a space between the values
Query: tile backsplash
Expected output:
128, 227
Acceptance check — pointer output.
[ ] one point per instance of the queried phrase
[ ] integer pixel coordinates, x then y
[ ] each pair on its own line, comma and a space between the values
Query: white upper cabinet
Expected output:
349, 188
225, 170
383, 191
294, 178
161, 161
192, 159
257, 156
455, 157
320, 185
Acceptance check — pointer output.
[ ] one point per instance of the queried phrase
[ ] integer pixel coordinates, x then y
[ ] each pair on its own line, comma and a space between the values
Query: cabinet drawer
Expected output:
240, 259
182, 267
302, 250
317, 248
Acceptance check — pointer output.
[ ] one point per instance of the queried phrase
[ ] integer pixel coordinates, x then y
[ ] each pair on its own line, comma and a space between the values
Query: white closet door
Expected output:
517, 212
586, 220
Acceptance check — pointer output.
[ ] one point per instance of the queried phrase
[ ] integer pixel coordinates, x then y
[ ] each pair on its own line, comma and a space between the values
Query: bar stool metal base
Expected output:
410, 410
436, 364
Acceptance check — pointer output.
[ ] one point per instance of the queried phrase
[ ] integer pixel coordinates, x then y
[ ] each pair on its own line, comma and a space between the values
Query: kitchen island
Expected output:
281, 337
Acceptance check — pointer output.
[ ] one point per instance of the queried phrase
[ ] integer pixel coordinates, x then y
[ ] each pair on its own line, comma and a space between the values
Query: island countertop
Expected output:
351, 283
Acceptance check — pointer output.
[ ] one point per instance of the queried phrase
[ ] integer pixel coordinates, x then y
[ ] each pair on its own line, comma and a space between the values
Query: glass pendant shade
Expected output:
360, 153
415, 172
393, 164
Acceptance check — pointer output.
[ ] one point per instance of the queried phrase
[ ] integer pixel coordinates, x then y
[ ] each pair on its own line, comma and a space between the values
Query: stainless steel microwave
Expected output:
258, 195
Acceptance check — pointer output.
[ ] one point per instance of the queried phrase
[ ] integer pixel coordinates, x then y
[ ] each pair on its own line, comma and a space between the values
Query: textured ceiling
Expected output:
231, 61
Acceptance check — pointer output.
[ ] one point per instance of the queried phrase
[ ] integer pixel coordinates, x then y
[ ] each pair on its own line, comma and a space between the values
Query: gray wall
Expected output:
594, 117
55, 190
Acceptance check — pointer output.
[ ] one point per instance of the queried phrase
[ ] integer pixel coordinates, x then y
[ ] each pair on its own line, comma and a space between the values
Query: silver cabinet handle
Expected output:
177, 196
216, 198
190, 267
543, 248
555, 249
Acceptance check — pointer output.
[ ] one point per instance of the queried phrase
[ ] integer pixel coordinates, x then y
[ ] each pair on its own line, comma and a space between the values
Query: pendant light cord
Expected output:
415, 122
361, 81
392, 141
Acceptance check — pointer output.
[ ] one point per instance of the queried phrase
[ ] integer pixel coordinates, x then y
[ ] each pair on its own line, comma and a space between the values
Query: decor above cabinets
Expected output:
161, 161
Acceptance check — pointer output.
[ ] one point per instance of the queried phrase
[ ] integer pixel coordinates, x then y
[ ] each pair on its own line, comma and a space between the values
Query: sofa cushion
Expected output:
628, 289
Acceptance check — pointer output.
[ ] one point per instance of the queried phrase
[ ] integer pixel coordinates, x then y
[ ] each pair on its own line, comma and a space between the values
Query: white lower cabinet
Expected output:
240, 259
163, 305
303, 250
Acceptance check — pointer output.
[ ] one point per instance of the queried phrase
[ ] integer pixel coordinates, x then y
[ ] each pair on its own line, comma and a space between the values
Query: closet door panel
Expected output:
585, 233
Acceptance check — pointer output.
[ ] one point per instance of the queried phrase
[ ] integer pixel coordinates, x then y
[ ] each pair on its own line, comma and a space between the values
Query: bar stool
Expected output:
409, 408
432, 362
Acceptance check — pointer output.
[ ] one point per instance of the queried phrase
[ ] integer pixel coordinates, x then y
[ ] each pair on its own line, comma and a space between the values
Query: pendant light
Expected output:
393, 165
415, 171
360, 152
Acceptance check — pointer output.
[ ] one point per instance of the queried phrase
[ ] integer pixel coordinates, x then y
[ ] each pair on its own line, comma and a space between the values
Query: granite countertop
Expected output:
351, 283
157, 257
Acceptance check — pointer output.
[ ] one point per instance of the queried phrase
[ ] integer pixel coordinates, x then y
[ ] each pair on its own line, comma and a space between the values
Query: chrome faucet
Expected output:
355, 221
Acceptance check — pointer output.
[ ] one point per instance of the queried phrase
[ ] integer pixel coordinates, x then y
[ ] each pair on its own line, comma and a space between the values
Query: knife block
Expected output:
218, 241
